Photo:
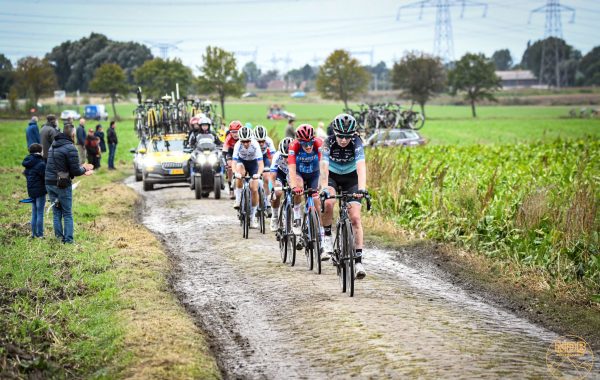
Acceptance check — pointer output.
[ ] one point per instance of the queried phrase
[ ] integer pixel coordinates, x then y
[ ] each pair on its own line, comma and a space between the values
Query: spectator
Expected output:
100, 134
32, 132
290, 131
62, 157
112, 145
320, 132
35, 169
80, 142
47, 135
92, 148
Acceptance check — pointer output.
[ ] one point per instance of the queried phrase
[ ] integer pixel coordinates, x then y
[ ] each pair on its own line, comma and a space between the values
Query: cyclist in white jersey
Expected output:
279, 172
248, 159
268, 150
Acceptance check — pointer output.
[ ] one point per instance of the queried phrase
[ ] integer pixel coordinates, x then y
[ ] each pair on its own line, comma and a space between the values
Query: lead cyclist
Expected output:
343, 165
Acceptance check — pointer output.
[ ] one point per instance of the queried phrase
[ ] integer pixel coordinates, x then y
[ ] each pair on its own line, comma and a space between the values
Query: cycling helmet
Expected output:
344, 124
204, 120
284, 146
194, 120
305, 132
260, 132
235, 125
245, 134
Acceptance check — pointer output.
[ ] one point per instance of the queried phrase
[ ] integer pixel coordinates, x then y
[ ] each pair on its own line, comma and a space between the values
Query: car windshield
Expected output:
167, 145
411, 135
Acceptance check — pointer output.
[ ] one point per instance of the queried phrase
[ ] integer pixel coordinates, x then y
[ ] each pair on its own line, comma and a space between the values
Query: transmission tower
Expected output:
443, 42
552, 48
250, 53
164, 47
287, 60
368, 53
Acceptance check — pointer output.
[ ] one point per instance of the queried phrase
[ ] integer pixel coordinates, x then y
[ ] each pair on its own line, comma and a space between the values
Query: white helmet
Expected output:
205, 120
260, 132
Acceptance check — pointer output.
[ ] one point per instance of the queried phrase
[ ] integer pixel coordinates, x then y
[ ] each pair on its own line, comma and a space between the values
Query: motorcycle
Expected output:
207, 166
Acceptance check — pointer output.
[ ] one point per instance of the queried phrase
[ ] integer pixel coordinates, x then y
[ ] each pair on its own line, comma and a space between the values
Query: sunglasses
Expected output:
261, 141
246, 141
344, 137
306, 143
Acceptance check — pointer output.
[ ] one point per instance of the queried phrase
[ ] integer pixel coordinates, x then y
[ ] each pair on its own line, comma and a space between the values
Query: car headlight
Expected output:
212, 159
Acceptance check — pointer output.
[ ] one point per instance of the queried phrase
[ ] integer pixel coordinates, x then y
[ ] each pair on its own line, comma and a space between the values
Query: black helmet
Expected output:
344, 124
284, 146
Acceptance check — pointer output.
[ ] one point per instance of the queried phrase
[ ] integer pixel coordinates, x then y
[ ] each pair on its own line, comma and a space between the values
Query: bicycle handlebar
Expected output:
346, 196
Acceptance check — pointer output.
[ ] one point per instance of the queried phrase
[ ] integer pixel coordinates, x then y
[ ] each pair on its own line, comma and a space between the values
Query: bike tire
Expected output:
289, 235
338, 251
247, 209
261, 211
315, 236
307, 244
283, 241
349, 257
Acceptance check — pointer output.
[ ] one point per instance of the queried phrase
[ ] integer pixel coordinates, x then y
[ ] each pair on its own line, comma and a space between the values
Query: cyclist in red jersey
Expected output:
230, 140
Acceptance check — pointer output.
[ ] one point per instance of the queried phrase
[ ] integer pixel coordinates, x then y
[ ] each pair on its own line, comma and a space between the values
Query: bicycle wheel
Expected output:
247, 207
338, 251
349, 257
289, 235
281, 237
261, 210
307, 243
315, 236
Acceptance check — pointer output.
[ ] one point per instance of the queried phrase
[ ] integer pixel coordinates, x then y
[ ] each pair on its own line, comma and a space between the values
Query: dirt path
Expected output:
267, 320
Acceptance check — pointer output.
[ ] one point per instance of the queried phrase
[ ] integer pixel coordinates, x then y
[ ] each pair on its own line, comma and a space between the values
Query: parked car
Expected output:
138, 159
96, 112
278, 113
249, 95
298, 94
395, 137
64, 115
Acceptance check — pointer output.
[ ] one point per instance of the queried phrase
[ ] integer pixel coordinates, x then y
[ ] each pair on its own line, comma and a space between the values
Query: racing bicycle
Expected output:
311, 232
285, 234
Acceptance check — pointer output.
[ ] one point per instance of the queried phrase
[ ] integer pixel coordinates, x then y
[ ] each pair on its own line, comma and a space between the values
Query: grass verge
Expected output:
101, 308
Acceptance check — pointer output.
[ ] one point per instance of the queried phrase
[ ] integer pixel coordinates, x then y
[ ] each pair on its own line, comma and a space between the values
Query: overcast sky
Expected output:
286, 33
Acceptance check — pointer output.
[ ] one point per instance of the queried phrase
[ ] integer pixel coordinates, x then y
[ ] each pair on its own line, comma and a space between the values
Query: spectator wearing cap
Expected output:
47, 135
80, 140
92, 147
32, 132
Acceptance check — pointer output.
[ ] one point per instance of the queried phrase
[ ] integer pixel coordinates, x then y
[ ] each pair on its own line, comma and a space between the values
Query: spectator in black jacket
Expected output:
112, 145
63, 157
35, 169
100, 134
80, 141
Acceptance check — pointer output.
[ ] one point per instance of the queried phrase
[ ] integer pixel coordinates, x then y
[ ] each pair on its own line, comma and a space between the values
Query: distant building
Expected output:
517, 78
276, 85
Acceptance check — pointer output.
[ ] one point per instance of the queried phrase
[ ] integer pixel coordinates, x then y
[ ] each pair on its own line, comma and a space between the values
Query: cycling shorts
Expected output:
267, 162
311, 180
344, 182
251, 166
281, 177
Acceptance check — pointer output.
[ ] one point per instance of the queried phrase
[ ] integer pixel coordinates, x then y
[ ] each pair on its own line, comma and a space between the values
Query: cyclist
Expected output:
230, 140
268, 150
303, 164
248, 159
343, 166
279, 173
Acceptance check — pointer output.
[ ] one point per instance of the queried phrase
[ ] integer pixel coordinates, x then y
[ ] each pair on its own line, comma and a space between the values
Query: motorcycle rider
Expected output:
203, 132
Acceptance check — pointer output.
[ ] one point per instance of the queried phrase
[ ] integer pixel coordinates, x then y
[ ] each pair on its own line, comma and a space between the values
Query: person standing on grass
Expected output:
289, 130
80, 141
47, 135
92, 148
32, 133
63, 158
100, 135
112, 145
35, 169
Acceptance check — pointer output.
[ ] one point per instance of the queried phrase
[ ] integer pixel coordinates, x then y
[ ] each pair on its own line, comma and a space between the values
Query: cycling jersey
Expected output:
279, 163
306, 163
250, 153
342, 160
268, 149
228, 146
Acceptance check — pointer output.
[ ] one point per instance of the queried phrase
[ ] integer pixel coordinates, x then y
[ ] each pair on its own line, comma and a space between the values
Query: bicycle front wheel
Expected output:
290, 237
308, 247
315, 236
261, 209
348, 255
246, 210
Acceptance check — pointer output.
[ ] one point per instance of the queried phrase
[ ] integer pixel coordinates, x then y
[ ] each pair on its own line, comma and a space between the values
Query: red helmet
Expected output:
235, 125
305, 132
194, 120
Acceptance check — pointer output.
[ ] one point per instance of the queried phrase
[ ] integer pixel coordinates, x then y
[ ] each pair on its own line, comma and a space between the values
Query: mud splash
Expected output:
267, 320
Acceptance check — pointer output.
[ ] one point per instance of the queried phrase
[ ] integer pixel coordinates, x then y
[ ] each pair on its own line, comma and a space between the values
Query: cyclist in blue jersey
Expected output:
343, 166
303, 164
279, 173
248, 160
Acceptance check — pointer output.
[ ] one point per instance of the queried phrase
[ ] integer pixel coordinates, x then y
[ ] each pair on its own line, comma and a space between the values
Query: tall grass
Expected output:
536, 204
